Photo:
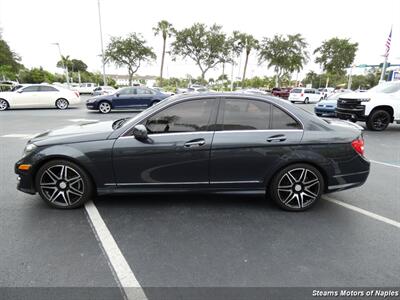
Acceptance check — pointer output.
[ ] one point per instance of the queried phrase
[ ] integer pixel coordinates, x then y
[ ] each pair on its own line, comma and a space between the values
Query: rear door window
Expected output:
282, 120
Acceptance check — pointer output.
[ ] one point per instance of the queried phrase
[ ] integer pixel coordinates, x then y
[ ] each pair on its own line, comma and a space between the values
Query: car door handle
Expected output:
277, 138
195, 143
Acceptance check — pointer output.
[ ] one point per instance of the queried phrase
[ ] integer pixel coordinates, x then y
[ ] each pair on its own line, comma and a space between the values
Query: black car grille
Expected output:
350, 106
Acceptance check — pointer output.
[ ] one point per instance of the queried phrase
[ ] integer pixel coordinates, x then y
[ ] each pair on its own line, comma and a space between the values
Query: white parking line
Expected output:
122, 270
385, 164
364, 212
82, 120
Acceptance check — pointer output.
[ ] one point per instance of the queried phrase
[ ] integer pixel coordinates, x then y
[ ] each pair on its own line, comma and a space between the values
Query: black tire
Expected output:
293, 190
319, 115
63, 184
306, 101
105, 107
62, 103
378, 120
4, 105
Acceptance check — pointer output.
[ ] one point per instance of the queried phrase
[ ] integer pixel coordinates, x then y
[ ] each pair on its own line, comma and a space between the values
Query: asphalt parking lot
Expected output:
212, 244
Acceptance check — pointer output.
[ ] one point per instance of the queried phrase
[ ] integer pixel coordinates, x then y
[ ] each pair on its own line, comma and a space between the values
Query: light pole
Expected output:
65, 67
102, 48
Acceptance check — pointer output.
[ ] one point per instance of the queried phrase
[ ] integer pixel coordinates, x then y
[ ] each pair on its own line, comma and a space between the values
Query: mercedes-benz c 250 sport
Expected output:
214, 142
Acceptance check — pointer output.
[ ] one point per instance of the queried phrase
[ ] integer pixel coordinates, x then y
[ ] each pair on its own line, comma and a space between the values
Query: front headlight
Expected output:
29, 148
365, 99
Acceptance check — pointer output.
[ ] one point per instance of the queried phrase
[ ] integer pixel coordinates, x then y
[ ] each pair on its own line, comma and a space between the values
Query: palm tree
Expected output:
249, 43
166, 30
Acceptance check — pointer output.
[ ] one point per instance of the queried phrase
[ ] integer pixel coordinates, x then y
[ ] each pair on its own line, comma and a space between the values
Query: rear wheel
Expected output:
62, 103
297, 187
379, 120
306, 101
104, 107
3, 104
63, 184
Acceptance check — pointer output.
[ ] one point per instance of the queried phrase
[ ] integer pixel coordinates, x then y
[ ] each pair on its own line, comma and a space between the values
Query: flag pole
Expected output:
384, 68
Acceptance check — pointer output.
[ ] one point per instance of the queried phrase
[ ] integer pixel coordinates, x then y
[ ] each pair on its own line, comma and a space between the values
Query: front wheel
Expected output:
306, 101
63, 184
104, 107
3, 104
62, 103
379, 120
297, 187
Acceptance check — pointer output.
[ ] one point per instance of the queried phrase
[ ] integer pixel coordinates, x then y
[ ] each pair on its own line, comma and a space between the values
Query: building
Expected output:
123, 80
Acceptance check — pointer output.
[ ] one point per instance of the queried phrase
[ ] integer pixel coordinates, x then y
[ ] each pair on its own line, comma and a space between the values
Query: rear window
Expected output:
296, 91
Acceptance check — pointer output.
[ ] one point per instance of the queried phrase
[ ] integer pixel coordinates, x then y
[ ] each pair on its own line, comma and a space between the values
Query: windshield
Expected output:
17, 87
387, 88
118, 123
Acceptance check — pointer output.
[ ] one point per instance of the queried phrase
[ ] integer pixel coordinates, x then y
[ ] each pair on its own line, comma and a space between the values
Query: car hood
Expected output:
86, 132
363, 95
327, 102
6, 94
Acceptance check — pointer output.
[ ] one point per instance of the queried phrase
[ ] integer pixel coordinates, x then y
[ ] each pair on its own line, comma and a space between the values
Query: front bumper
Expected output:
25, 180
325, 112
91, 106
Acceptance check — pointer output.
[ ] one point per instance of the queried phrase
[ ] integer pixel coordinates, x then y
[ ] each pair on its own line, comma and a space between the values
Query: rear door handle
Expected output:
276, 138
195, 143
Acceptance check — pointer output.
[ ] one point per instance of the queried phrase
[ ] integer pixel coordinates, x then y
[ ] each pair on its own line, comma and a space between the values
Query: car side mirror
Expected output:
140, 132
20, 91
117, 94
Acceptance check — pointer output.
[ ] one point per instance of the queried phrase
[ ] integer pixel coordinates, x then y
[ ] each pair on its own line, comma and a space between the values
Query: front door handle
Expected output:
195, 143
276, 138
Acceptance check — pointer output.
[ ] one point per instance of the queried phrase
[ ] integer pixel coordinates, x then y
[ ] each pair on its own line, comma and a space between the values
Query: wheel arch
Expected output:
387, 108
323, 172
8, 102
105, 100
49, 158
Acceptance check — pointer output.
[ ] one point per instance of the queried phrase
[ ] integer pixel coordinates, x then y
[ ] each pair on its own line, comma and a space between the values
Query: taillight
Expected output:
358, 146
301, 95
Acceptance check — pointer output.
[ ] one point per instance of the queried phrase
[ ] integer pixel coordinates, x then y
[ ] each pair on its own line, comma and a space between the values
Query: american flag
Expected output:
389, 40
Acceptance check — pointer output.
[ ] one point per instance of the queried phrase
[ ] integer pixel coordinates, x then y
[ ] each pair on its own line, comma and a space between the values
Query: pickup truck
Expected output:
377, 107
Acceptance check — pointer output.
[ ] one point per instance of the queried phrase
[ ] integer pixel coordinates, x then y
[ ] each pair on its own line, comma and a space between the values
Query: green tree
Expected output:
207, 47
65, 62
247, 42
166, 30
9, 58
78, 65
335, 55
36, 75
284, 54
129, 52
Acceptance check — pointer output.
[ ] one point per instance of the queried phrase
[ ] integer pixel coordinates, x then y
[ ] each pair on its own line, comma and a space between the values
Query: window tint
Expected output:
296, 91
281, 120
243, 114
141, 91
32, 88
183, 117
127, 91
45, 88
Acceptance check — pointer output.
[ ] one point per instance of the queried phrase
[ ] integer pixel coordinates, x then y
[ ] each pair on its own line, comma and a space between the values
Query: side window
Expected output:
243, 114
45, 88
281, 120
127, 91
188, 116
32, 88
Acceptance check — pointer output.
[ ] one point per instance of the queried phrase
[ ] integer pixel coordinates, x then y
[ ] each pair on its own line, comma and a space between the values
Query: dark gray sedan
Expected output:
219, 143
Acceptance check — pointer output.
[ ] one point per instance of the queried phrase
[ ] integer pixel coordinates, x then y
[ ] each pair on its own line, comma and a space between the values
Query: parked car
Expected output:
129, 97
103, 90
377, 107
217, 142
160, 89
38, 95
326, 92
86, 88
327, 107
304, 95
281, 92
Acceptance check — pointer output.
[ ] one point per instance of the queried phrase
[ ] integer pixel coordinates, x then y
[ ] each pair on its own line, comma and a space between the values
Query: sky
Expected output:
30, 27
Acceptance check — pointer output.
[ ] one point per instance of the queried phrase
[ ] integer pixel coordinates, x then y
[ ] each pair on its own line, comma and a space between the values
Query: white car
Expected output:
86, 88
326, 92
103, 90
304, 95
378, 106
38, 95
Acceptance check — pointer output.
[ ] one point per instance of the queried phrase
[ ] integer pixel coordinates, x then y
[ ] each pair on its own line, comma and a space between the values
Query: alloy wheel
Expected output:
104, 107
62, 185
62, 104
298, 188
3, 104
380, 121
